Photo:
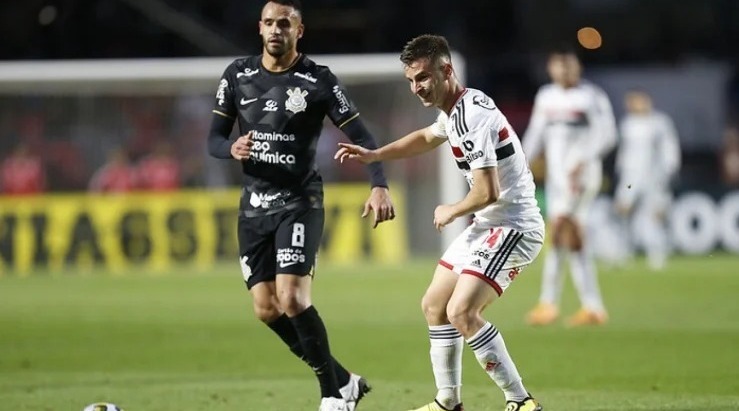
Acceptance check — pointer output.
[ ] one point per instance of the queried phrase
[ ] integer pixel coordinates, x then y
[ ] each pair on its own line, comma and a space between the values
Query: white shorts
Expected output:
495, 254
562, 200
565, 202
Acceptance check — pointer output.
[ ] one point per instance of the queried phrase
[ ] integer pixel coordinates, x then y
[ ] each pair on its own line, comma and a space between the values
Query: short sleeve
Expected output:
438, 128
224, 98
341, 109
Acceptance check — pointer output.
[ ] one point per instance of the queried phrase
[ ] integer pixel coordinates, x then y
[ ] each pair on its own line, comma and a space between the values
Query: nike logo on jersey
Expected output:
245, 101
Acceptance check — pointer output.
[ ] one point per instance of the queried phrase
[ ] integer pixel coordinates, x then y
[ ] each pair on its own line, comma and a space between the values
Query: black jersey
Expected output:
285, 110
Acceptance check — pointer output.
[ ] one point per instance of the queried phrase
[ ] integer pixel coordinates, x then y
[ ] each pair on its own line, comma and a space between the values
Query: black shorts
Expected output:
282, 243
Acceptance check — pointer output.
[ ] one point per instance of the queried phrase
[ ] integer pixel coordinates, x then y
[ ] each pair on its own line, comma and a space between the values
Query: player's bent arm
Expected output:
412, 144
604, 129
484, 191
533, 138
219, 144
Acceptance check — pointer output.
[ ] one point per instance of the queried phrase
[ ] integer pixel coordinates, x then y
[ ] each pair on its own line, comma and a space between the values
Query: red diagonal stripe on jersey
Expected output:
457, 151
503, 133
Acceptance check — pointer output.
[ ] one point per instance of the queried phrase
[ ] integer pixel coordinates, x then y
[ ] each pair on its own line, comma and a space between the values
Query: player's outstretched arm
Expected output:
412, 144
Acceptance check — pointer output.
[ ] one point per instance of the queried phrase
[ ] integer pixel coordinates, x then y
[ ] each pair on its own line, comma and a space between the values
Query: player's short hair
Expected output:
428, 46
289, 3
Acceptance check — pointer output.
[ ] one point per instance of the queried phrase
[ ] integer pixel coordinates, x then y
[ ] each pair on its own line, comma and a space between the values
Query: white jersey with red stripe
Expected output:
480, 136
576, 127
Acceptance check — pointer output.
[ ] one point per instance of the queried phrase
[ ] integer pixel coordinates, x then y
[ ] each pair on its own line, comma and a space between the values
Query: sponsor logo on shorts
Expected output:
287, 257
483, 253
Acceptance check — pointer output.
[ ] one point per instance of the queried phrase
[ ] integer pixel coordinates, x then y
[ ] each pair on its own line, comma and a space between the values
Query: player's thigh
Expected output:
256, 249
293, 293
297, 239
438, 293
471, 295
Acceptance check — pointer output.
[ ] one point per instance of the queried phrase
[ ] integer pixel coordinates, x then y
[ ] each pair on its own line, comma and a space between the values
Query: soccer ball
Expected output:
102, 406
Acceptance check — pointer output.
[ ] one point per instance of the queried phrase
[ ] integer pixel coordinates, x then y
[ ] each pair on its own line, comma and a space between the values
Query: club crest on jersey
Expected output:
483, 101
296, 100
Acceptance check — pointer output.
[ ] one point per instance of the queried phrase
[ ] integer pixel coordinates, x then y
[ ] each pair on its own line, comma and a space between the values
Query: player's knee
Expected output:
267, 313
292, 303
433, 310
461, 315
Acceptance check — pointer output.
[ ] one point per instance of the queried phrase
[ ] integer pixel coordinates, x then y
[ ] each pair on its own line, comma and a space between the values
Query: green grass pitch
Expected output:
188, 341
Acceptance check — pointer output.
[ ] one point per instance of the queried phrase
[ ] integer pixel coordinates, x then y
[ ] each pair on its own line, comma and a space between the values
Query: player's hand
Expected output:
380, 204
354, 152
241, 148
443, 215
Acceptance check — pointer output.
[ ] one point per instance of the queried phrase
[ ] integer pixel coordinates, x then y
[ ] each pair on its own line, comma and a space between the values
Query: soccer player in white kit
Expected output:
573, 123
647, 159
506, 234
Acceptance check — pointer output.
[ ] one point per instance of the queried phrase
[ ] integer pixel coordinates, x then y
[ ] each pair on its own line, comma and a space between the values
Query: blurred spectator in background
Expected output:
117, 175
573, 124
22, 172
647, 160
160, 170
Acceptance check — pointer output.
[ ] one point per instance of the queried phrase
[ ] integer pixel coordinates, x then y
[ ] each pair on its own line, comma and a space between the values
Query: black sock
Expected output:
314, 340
286, 330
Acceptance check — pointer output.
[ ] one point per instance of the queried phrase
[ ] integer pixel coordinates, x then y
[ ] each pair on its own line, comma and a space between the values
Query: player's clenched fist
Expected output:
241, 148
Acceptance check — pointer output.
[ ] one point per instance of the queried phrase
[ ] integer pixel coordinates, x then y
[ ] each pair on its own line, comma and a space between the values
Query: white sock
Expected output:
446, 362
491, 353
585, 277
552, 279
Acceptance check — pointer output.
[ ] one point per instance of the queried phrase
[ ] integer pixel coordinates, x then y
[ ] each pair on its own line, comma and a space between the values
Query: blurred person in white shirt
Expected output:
573, 125
648, 159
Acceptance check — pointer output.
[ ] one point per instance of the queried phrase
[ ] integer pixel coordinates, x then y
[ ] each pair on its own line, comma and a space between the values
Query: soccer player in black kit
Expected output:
280, 99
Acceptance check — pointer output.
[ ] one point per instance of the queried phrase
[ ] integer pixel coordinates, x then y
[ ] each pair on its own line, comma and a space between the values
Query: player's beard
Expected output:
277, 50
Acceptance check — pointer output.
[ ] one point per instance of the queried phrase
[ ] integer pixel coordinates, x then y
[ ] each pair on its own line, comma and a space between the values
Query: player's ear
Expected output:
448, 71
301, 29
